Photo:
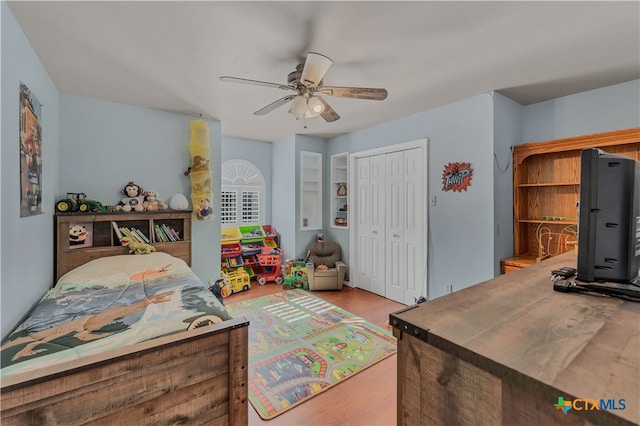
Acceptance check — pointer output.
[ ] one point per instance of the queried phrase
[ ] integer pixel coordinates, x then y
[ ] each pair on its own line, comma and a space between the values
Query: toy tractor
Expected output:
76, 202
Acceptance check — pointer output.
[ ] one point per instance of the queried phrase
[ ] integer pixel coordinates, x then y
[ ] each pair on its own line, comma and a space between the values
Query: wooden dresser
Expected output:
503, 352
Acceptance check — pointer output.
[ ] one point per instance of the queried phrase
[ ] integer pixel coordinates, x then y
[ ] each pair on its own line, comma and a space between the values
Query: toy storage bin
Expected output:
249, 248
269, 232
232, 262
270, 243
249, 271
251, 233
230, 250
230, 235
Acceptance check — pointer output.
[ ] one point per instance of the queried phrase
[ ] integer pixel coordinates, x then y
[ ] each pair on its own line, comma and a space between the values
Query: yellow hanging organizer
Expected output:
201, 182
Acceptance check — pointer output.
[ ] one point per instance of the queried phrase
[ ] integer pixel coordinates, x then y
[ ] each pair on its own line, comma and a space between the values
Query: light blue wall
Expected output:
460, 234
601, 110
507, 132
105, 145
27, 243
283, 193
257, 152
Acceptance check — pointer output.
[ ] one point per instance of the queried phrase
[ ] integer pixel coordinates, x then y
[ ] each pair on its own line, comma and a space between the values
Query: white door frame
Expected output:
418, 143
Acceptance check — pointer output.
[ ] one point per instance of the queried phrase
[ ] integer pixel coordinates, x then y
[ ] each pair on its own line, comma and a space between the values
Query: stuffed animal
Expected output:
77, 234
220, 289
134, 199
204, 210
136, 247
152, 202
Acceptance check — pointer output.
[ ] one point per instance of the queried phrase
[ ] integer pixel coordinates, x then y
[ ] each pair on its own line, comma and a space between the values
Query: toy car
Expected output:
76, 202
237, 281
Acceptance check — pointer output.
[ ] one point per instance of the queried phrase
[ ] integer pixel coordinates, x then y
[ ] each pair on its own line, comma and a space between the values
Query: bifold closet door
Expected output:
390, 226
363, 224
370, 187
406, 265
379, 198
395, 206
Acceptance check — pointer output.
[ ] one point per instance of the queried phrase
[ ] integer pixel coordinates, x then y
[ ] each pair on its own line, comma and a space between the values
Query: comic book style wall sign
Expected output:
457, 177
30, 153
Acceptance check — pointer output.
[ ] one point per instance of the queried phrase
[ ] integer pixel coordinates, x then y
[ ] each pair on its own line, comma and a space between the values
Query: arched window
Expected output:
242, 201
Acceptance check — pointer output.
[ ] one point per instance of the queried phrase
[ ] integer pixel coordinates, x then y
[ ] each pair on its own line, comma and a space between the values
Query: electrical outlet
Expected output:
449, 288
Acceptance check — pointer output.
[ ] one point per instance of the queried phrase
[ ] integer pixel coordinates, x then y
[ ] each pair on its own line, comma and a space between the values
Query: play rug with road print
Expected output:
301, 345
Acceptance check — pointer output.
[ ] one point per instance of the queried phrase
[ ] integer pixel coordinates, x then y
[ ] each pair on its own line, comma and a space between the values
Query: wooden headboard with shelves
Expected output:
101, 239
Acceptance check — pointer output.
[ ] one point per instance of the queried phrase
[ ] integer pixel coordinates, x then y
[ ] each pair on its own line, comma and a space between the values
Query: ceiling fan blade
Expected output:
274, 105
256, 82
355, 92
329, 114
315, 67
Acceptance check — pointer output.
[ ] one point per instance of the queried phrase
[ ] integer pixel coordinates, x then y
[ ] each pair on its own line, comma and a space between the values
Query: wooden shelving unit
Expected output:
104, 241
339, 186
546, 189
310, 191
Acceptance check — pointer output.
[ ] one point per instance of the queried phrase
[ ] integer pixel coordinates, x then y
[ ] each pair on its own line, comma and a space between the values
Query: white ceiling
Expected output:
168, 55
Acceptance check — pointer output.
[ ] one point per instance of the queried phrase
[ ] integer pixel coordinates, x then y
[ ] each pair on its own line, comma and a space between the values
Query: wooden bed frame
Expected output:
192, 377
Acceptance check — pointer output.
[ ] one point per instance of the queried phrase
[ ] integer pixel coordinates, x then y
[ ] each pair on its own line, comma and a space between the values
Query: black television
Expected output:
609, 218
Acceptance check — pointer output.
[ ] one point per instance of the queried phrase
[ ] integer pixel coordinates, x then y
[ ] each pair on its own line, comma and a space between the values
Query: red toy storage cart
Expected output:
270, 261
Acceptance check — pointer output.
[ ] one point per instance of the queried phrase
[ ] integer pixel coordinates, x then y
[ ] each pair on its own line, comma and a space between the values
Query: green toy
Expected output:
77, 202
136, 247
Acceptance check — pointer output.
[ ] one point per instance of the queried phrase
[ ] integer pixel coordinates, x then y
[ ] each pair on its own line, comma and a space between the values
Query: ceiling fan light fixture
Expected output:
298, 107
315, 105
307, 81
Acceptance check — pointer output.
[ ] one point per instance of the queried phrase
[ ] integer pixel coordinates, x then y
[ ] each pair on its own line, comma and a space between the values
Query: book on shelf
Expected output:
132, 233
116, 229
167, 232
126, 233
175, 233
142, 235
160, 234
170, 232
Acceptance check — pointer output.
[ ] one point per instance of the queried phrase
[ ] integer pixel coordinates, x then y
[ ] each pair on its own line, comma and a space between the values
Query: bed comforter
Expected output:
108, 303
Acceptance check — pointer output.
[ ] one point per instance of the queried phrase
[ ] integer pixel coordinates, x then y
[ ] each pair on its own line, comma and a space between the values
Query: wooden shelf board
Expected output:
533, 185
551, 222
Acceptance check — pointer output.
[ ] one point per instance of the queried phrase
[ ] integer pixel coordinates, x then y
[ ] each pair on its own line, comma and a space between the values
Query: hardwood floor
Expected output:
369, 397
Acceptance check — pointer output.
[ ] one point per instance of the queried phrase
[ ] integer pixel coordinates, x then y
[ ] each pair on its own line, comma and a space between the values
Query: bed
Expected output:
126, 339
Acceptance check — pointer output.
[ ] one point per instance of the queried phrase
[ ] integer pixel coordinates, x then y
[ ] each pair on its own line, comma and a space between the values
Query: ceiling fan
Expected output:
307, 83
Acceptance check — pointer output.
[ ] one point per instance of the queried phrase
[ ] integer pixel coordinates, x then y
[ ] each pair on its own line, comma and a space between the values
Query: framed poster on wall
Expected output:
30, 153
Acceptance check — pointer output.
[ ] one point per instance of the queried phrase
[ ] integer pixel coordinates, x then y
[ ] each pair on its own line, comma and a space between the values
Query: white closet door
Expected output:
414, 225
396, 261
378, 224
390, 223
363, 224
